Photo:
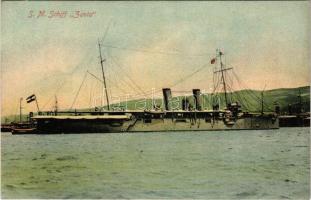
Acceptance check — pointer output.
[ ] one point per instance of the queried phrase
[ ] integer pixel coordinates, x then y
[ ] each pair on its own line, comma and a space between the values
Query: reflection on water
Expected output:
270, 164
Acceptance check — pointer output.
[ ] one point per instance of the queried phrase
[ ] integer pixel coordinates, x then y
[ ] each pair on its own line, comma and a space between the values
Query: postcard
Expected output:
155, 99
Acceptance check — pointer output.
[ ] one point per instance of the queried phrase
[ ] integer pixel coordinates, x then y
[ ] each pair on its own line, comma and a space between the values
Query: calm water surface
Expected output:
270, 164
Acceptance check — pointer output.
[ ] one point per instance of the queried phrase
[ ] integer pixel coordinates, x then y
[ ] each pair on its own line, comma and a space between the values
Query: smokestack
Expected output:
167, 95
197, 101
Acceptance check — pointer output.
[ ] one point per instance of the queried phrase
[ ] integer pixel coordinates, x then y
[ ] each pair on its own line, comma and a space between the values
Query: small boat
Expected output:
6, 127
23, 128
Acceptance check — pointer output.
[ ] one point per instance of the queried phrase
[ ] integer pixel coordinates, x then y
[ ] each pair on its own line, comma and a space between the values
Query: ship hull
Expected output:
79, 126
46, 126
203, 125
294, 121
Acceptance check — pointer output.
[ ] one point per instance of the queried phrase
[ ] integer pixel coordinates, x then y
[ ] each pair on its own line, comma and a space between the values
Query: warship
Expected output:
296, 115
191, 116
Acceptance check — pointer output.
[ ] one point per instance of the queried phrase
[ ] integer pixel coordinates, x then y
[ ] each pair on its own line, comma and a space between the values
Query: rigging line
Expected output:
106, 31
155, 52
229, 94
65, 80
241, 100
217, 83
109, 91
242, 85
121, 81
249, 103
112, 85
94, 76
127, 84
91, 94
230, 78
97, 90
17, 111
135, 95
57, 90
247, 89
139, 95
35, 83
213, 81
113, 82
216, 80
119, 65
230, 83
113, 74
236, 97
74, 101
253, 96
127, 76
256, 102
190, 75
179, 81
267, 106
83, 62
103, 81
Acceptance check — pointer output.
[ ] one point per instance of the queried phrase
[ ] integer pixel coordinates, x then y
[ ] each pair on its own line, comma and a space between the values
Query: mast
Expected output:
222, 76
262, 102
20, 109
103, 72
37, 105
56, 106
300, 102
262, 99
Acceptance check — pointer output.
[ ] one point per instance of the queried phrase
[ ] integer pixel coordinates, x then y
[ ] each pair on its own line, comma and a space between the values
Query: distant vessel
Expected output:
189, 118
296, 115
6, 127
21, 127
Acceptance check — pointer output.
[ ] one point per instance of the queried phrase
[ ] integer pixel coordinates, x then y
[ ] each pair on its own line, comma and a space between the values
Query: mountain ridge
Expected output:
281, 96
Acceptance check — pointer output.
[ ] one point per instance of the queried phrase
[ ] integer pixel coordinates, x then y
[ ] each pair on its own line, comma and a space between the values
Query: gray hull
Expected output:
148, 125
203, 125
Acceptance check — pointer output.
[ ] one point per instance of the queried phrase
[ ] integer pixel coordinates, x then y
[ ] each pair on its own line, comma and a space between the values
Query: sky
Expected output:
147, 46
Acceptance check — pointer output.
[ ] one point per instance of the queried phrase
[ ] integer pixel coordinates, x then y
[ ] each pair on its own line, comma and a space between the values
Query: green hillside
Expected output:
250, 100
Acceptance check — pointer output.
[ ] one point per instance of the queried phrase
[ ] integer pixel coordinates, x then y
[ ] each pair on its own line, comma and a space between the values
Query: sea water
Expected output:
265, 164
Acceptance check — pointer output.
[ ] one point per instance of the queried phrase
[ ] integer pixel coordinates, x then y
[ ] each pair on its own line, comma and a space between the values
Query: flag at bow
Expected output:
31, 98
213, 60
